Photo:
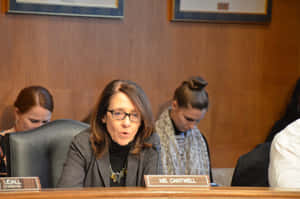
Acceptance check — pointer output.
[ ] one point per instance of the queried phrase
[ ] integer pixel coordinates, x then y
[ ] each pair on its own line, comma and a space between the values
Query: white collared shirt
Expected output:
284, 166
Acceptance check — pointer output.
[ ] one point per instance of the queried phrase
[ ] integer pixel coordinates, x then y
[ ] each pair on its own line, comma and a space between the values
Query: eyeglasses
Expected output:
120, 115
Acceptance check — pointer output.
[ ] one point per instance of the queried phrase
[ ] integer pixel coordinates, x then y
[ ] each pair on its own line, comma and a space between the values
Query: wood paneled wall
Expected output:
251, 69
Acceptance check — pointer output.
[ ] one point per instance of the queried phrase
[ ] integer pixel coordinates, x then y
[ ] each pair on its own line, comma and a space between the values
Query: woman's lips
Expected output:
125, 134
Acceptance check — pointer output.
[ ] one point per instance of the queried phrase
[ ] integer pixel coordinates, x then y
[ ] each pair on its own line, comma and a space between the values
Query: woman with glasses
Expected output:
120, 147
184, 150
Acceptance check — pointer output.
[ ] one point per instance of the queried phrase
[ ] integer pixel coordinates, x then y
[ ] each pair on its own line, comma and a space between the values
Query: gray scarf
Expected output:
196, 158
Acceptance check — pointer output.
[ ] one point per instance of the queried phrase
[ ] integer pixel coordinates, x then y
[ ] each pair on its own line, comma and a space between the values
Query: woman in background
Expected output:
184, 149
32, 108
120, 147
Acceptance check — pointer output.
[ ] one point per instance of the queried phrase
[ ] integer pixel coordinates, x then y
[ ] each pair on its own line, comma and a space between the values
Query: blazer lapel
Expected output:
132, 170
103, 167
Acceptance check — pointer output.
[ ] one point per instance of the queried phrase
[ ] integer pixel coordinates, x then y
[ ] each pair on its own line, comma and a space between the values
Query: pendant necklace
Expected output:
117, 176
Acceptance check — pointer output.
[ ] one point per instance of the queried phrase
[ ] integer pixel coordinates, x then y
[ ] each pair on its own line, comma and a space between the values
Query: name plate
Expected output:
177, 180
20, 184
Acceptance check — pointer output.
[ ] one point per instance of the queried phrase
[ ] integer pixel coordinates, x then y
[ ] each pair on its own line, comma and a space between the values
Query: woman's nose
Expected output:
126, 121
191, 125
38, 124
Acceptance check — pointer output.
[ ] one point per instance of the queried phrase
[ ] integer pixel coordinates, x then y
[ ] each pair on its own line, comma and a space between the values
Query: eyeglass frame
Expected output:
125, 114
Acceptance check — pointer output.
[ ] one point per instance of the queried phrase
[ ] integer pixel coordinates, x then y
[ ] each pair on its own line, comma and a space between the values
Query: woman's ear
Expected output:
174, 104
17, 113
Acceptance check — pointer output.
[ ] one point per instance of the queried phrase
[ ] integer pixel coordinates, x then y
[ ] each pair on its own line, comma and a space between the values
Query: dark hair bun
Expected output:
196, 83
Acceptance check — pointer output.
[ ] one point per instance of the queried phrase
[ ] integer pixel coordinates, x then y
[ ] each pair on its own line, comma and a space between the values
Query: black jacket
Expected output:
252, 168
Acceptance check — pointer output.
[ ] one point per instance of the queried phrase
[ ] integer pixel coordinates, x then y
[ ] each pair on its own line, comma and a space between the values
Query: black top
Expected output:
118, 159
3, 145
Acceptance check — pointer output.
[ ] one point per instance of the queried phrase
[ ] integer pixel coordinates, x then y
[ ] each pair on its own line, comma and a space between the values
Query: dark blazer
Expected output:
252, 168
81, 168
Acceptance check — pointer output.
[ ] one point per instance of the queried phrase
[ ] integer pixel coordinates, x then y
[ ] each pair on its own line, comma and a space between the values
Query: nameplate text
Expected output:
177, 180
20, 184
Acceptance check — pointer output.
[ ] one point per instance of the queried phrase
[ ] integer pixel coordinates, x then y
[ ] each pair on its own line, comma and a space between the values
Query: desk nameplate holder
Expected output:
20, 184
177, 181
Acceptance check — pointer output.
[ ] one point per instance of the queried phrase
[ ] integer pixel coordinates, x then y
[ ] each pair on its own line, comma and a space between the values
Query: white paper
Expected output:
79, 3
235, 6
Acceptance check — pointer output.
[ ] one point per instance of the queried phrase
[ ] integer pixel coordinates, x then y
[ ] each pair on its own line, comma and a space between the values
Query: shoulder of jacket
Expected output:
82, 141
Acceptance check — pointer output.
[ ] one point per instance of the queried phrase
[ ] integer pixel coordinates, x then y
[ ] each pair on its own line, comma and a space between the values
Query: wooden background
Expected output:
251, 69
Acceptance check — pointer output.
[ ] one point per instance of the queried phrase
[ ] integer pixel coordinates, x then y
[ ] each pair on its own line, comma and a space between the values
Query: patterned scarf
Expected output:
195, 157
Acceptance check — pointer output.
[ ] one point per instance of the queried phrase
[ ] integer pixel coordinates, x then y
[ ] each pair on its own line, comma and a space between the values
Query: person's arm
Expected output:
2, 159
73, 173
1, 145
284, 167
153, 164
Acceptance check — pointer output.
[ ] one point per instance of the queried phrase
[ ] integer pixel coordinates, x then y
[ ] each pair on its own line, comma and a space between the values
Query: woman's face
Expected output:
122, 130
35, 117
186, 118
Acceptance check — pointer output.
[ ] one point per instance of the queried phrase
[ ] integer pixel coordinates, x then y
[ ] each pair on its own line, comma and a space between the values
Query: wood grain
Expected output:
139, 192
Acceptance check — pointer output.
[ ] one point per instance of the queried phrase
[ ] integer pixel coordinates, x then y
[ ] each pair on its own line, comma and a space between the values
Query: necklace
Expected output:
117, 176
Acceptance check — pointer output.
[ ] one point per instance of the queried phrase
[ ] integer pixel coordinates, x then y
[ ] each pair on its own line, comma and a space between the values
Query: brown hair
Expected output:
99, 136
34, 96
192, 93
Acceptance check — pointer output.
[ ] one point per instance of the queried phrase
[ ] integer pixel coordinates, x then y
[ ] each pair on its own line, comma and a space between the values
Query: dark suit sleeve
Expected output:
252, 167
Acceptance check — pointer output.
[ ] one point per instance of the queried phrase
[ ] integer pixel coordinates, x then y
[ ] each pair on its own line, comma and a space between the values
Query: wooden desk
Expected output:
140, 193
